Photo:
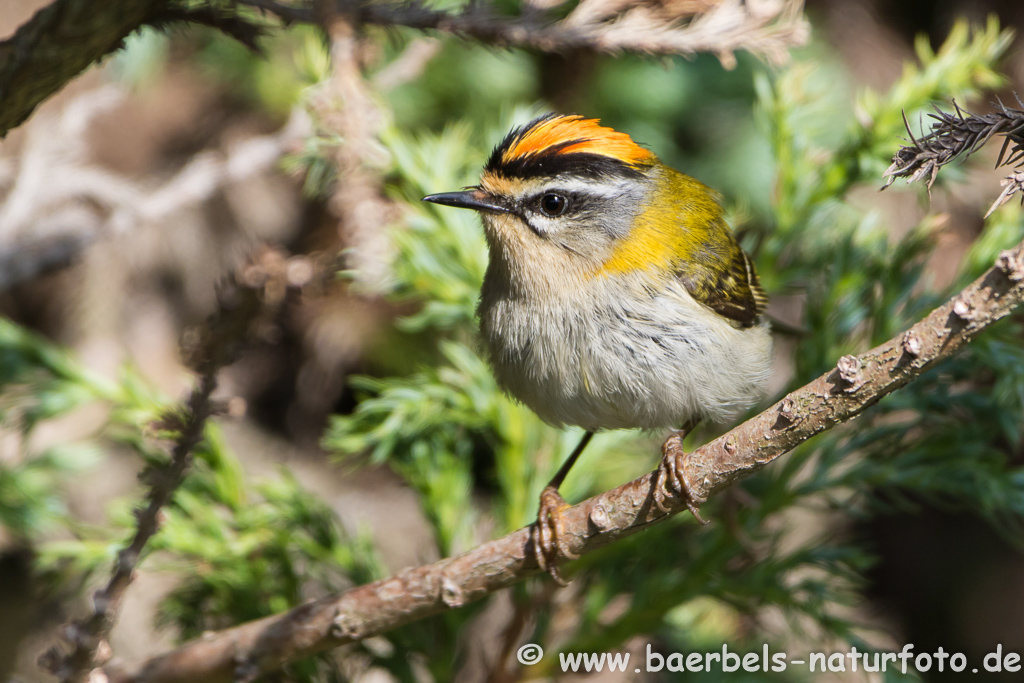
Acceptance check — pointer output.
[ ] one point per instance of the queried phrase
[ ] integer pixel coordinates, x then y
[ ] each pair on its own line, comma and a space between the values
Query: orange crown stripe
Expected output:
591, 139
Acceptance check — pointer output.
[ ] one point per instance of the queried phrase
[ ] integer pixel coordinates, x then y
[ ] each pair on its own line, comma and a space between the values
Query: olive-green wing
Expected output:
727, 285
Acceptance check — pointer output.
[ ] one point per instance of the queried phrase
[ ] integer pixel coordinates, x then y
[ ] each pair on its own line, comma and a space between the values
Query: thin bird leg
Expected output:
671, 474
548, 532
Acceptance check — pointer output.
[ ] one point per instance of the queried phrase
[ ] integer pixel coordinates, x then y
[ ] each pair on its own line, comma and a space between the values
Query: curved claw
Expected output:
661, 491
671, 478
547, 534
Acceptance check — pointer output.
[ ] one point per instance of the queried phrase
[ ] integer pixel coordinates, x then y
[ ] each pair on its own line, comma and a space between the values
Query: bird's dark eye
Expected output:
553, 205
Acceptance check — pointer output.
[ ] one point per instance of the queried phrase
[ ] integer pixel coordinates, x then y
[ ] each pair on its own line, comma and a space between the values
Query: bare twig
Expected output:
255, 293
767, 29
228, 23
88, 637
1012, 184
857, 382
409, 65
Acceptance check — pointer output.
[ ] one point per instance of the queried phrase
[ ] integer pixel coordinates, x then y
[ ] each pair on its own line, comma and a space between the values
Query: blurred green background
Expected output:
366, 433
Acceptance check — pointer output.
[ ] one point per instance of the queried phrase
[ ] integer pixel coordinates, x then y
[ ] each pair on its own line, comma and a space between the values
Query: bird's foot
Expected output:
671, 476
548, 533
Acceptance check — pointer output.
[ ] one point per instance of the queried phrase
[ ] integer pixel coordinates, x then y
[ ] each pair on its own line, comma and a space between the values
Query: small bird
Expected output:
615, 296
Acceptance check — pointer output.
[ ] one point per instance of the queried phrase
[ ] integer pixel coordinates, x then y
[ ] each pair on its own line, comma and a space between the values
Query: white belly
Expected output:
639, 360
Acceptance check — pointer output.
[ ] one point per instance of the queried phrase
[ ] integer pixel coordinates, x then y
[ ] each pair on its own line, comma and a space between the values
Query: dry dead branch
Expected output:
58, 203
765, 28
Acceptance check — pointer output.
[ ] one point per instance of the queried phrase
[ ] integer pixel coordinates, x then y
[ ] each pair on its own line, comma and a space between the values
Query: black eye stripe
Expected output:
544, 203
531, 208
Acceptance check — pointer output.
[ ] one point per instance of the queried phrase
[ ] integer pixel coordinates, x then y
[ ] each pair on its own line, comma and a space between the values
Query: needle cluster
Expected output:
961, 133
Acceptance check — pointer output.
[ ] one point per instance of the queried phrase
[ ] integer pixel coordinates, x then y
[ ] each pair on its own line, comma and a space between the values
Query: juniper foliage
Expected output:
477, 461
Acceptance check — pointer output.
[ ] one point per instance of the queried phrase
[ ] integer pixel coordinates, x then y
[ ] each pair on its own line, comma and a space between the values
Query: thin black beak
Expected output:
475, 199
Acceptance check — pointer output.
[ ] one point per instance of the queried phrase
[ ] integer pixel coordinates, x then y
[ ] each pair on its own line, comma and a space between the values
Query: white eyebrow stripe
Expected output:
607, 189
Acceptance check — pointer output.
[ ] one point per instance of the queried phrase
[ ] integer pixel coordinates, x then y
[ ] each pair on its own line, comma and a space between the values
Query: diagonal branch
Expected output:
252, 649
88, 637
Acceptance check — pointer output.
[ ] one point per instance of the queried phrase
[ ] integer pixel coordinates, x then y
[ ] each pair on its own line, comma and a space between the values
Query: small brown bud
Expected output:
787, 416
451, 593
1012, 263
963, 309
343, 627
849, 371
786, 409
599, 517
912, 344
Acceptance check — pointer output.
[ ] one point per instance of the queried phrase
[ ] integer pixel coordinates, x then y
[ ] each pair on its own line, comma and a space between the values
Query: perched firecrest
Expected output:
616, 296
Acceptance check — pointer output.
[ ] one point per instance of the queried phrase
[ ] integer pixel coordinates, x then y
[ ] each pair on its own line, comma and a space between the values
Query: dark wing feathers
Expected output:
729, 287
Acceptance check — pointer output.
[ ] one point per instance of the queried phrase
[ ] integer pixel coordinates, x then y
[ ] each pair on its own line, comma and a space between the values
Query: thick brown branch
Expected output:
62, 39
854, 385
57, 44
